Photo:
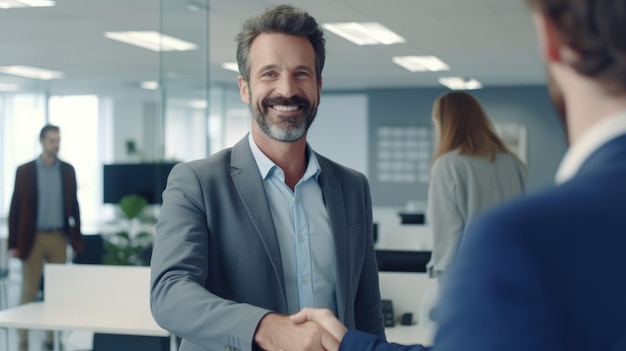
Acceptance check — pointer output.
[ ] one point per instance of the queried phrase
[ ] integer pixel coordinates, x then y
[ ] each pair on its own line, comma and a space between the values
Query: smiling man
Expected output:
260, 230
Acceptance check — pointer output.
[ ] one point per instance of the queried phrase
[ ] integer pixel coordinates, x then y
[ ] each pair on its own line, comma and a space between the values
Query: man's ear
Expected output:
549, 39
244, 90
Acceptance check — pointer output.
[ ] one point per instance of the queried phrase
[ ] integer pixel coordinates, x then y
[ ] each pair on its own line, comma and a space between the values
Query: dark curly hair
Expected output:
596, 29
284, 19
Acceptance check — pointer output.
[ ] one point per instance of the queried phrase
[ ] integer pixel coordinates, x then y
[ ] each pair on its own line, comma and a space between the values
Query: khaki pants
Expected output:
50, 247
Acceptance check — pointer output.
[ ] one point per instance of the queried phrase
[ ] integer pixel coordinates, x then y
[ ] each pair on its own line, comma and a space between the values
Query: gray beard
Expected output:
279, 134
286, 135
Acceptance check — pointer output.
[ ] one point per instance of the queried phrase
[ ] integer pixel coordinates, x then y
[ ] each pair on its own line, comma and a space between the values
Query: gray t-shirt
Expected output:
49, 196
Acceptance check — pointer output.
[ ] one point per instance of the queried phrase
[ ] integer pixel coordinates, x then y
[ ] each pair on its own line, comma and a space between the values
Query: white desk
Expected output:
102, 299
101, 319
39, 315
409, 335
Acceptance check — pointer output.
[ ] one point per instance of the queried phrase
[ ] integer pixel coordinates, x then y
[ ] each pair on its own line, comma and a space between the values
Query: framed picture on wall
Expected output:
403, 154
514, 136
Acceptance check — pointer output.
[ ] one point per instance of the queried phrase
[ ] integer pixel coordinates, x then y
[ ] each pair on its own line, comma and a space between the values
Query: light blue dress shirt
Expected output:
304, 233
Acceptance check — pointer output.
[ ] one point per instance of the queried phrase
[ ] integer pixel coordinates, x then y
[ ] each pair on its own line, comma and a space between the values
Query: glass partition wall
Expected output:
184, 79
115, 103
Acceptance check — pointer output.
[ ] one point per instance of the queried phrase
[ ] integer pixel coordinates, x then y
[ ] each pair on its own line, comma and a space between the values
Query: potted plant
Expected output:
131, 245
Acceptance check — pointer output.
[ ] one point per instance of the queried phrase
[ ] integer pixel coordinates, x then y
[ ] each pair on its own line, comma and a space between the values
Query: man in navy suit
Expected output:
548, 271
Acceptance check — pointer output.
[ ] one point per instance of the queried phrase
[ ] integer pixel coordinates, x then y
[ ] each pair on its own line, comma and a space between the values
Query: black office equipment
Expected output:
402, 261
388, 317
375, 232
92, 252
412, 218
406, 319
144, 179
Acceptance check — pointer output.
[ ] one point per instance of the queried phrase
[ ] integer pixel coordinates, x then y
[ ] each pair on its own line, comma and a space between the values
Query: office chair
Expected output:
93, 250
4, 274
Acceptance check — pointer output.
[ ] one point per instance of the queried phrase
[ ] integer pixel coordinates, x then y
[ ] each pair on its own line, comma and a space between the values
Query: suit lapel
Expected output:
247, 179
334, 202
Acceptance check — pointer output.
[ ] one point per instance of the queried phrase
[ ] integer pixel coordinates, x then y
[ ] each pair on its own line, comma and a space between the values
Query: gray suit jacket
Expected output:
216, 264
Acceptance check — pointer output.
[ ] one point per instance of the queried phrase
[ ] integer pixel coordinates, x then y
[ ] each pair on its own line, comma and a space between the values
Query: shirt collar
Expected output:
267, 166
604, 131
40, 163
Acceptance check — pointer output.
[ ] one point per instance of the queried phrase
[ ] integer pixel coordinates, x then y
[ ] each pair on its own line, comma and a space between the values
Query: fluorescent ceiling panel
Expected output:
421, 63
231, 66
8, 87
367, 33
151, 40
459, 83
150, 85
199, 104
11, 4
31, 72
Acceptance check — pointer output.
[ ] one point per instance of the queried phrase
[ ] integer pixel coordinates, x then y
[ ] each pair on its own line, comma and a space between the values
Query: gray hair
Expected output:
284, 19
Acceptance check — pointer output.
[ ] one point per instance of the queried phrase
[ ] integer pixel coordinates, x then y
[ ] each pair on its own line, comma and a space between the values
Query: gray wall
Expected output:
530, 106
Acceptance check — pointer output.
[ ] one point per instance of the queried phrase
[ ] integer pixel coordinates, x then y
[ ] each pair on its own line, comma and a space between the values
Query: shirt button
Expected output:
301, 238
305, 280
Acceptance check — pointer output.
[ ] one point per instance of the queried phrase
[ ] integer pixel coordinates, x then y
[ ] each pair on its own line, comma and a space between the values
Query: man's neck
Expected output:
290, 157
48, 160
589, 104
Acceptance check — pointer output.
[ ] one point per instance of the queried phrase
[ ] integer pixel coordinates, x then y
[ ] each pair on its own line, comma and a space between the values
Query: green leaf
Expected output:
124, 236
132, 205
143, 236
124, 247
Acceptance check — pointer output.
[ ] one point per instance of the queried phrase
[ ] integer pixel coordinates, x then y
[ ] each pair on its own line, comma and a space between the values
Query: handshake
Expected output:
311, 329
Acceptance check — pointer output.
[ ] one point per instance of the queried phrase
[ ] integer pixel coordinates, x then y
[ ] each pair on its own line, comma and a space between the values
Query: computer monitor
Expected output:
144, 179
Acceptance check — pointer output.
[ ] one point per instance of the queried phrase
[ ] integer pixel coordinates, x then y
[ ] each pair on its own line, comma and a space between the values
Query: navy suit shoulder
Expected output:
545, 272
355, 340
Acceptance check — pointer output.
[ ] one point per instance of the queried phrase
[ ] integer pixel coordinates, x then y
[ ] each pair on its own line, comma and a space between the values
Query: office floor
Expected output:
71, 340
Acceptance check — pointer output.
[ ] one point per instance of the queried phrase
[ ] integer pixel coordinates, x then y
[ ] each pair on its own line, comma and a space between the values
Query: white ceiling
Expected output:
489, 40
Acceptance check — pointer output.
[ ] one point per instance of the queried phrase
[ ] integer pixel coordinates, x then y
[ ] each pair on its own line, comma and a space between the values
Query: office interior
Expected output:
117, 103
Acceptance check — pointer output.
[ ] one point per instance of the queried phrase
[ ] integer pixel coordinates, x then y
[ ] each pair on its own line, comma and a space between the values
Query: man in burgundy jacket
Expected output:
44, 216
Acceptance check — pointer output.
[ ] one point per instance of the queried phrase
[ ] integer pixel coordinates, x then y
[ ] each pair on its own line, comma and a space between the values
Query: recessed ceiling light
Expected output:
421, 63
150, 85
8, 87
152, 40
10, 4
199, 104
367, 33
231, 66
459, 83
31, 72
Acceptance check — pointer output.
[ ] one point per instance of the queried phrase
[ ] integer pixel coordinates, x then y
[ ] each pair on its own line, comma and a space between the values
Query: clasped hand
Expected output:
310, 329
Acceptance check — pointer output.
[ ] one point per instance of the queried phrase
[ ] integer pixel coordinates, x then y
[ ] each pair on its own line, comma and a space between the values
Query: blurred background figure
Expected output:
43, 218
472, 170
